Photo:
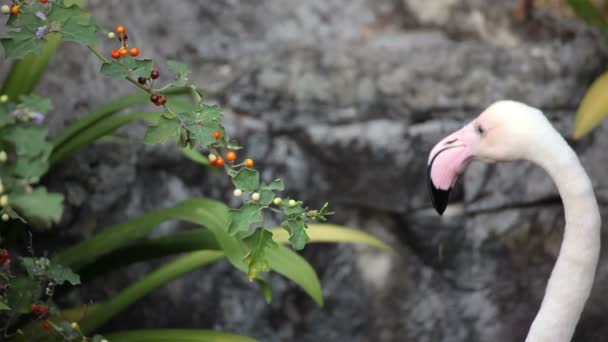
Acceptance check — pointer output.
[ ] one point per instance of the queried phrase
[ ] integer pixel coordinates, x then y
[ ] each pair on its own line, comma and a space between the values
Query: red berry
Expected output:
161, 100
120, 29
123, 51
33, 308
115, 54
44, 1
154, 74
154, 98
219, 162
42, 310
217, 135
213, 163
142, 80
4, 256
231, 156
249, 162
134, 52
46, 325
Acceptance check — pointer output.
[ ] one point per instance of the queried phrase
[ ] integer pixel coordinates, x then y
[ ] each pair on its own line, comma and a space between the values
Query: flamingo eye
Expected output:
479, 128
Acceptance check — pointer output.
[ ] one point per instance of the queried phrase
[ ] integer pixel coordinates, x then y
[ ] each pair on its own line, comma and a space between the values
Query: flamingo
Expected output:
510, 130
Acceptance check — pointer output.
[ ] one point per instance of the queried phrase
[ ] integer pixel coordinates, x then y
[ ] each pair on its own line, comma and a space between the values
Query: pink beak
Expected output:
446, 162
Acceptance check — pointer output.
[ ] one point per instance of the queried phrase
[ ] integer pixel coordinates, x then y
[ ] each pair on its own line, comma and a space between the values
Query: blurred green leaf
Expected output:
164, 130
258, 243
247, 179
585, 10
36, 103
244, 217
195, 156
39, 207
22, 292
297, 232
175, 335
178, 68
593, 107
60, 274
114, 69
3, 306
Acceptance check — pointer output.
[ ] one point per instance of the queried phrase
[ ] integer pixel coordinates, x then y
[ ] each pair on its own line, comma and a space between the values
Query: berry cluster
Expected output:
39, 310
15, 9
155, 98
218, 161
124, 47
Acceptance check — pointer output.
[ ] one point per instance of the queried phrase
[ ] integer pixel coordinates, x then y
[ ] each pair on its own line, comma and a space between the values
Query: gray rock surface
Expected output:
344, 99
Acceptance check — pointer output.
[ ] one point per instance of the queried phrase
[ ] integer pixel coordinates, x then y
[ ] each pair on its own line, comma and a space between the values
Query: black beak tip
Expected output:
439, 197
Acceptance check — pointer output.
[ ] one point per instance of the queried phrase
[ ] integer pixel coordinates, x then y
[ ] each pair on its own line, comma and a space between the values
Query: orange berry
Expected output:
123, 51
217, 135
120, 29
219, 162
115, 54
134, 52
15, 9
249, 162
230, 156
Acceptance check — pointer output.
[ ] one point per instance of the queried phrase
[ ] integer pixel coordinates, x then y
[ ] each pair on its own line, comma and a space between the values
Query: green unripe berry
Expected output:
5, 9
4, 98
277, 201
5, 217
292, 203
3, 156
237, 192
3, 200
255, 196
111, 35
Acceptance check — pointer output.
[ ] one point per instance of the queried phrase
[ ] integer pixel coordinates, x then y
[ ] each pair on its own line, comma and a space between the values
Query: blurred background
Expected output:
343, 99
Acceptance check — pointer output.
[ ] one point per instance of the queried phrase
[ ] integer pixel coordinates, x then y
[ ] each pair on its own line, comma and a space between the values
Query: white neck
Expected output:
572, 277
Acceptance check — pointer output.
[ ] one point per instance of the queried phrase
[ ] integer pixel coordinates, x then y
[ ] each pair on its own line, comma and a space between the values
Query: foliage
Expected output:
28, 288
593, 108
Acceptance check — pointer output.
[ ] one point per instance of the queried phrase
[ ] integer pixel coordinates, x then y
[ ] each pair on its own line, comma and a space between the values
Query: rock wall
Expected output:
344, 99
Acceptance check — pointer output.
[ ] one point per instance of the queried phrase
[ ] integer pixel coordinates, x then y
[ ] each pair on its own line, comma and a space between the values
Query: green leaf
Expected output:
246, 179
165, 129
588, 12
22, 292
36, 103
5, 118
276, 184
114, 69
39, 207
73, 29
201, 124
593, 109
258, 243
143, 67
296, 210
265, 289
61, 274
244, 217
195, 155
175, 335
3, 306
29, 141
178, 68
296, 228
19, 44
266, 197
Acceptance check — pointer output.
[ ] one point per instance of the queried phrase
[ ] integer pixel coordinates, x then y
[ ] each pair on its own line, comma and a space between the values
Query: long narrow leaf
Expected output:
105, 311
593, 108
104, 112
97, 131
176, 335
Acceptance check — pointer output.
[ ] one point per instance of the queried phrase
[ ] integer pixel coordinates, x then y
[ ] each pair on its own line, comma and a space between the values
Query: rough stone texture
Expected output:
344, 99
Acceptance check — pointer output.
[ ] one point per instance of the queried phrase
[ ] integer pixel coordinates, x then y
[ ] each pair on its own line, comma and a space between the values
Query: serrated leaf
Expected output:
26, 167
266, 197
60, 274
39, 207
143, 67
244, 217
29, 141
20, 44
36, 103
247, 179
258, 242
593, 108
298, 236
114, 69
165, 129
276, 184
177, 67
74, 30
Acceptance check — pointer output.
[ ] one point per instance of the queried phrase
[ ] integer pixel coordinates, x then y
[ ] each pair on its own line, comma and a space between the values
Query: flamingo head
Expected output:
507, 130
